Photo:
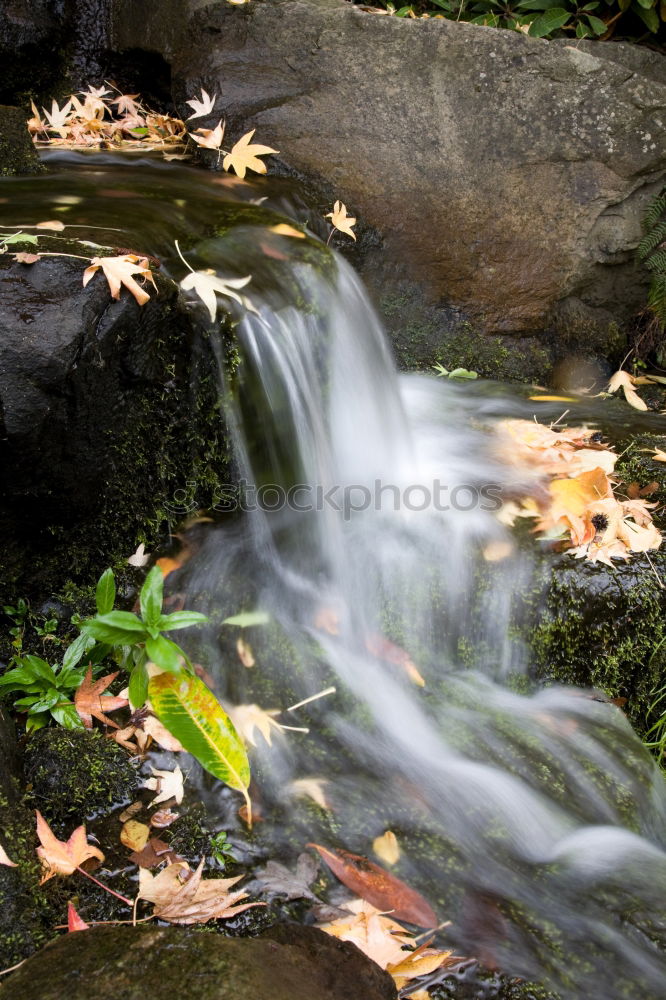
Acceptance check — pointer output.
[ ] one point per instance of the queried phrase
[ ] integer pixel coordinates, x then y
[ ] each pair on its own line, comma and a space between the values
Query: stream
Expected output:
532, 819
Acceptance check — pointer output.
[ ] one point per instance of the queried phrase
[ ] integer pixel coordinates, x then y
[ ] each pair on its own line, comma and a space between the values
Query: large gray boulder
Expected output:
506, 175
286, 963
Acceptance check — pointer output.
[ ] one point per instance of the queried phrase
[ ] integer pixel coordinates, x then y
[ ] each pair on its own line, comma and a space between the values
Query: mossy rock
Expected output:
17, 152
74, 773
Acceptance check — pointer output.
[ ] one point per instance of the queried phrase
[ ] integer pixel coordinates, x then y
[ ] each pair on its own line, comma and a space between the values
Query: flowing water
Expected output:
535, 822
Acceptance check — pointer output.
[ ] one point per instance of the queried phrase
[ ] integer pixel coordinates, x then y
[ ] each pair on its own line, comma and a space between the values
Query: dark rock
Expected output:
10, 769
506, 175
76, 772
288, 963
17, 152
99, 423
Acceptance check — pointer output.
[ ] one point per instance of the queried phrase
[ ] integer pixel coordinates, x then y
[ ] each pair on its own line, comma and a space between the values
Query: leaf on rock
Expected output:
140, 557
245, 654
245, 155
5, 860
209, 138
120, 271
207, 285
155, 853
74, 921
247, 618
387, 848
134, 835
312, 788
27, 258
341, 221
55, 225
163, 818
247, 718
183, 897
625, 381
202, 106
195, 717
282, 229
61, 857
167, 784
89, 700
378, 886
282, 881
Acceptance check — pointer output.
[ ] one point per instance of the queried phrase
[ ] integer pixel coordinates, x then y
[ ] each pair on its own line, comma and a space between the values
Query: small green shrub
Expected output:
652, 252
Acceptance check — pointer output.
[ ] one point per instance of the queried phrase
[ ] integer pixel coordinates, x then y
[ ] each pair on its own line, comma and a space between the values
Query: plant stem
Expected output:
182, 258
92, 878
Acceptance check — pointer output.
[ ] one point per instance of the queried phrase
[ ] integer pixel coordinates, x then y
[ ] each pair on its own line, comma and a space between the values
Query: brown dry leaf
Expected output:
5, 860
27, 258
570, 499
195, 901
155, 853
245, 654
134, 835
130, 811
61, 857
89, 700
625, 381
120, 271
163, 818
340, 220
387, 848
327, 620
497, 550
378, 886
245, 155
55, 225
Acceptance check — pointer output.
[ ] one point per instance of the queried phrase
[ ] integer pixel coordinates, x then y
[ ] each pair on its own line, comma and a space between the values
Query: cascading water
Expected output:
534, 822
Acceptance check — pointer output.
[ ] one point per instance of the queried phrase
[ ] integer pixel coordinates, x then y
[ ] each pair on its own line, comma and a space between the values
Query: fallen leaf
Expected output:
167, 784
194, 901
152, 726
380, 647
27, 258
120, 271
89, 700
245, 155
134, 835
282, 229
553, 399
312, 788
497, 550
659, 455
340, 220
74, 921
209, 138
155, 853
202, 106
163, 818
55, 225
387, 848
130, 811
207, 284
247, 718
245, 654
378, 886
168, 565
61, 857
140, 557
623, 380
5, 860
294, 885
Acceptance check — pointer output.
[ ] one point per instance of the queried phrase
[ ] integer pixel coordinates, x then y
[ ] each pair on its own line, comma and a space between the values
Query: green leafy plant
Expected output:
652, 252
45, 691
19, 616
221, 849
443, 372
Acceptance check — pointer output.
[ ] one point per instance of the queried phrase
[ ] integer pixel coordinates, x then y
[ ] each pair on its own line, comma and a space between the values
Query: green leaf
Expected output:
113, 636
551, 21
246, 618
17, 678
40, 669
597, 25
194, 716
35, 722
180, 619
67, 716
105, 595
165, 653
650, 18
9, 238
126, 620
463, 373
76, 649
138, 685
151, 596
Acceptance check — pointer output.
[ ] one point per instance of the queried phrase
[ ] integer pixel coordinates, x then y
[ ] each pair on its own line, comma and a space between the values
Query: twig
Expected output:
3, 972
654, 570
313, 697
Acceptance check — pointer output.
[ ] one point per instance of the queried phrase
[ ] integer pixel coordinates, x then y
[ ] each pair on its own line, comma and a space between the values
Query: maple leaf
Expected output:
161, 735
127, 105
35, 124
27, 258
140, 557
294, 885
207, 283
193, 901
61, 857
5, 859
625, 381
89, 700
210, 138
202, 107
247, 718
120, 271
74, 921
167, 784
58, 117
340, 220
659, 455
312, 788
245, 155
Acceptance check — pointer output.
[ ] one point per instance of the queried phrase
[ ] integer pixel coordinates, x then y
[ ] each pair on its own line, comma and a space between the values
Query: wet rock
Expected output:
75, 772
17, 152
10, 770
503, 176
99, 421
288, 963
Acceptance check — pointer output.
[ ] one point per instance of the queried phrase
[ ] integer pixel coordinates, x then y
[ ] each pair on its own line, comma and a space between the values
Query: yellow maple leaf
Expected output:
210, 138
625, 381
120, 271
61, 857
340, 220
245, 155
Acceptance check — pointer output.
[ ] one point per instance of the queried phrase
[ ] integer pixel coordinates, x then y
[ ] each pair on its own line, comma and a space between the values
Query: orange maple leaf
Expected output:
60, 857
90, 701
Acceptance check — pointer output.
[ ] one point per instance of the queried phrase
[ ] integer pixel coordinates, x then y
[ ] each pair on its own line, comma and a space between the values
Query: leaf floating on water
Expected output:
195, 717
282, 881
120, 271
378, 886
245, 155
167, 784
55, 225
134, 835
387, 848
61, 857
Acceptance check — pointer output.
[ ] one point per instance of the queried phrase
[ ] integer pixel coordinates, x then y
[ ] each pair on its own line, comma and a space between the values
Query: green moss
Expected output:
17, 153
76, 773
